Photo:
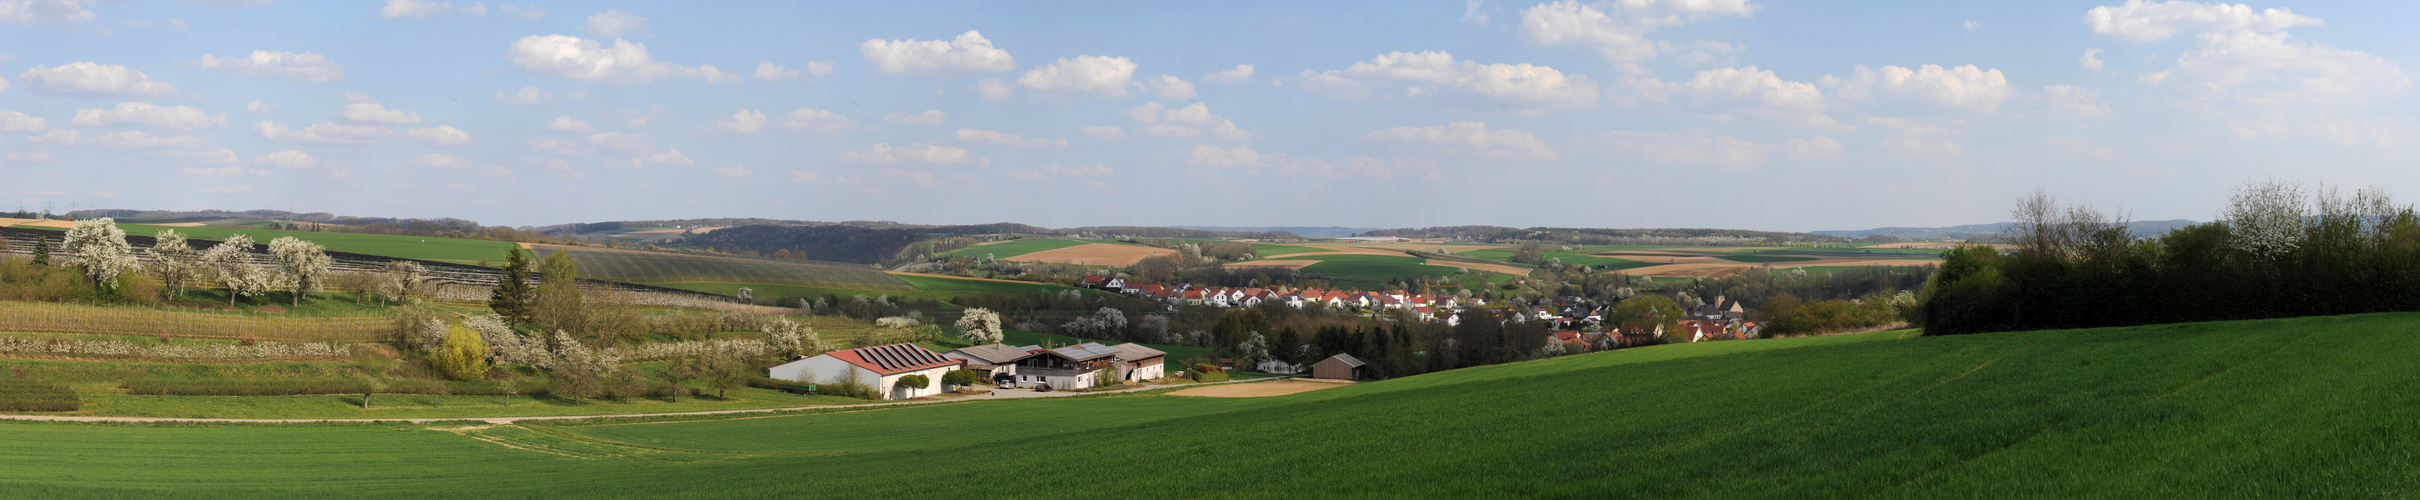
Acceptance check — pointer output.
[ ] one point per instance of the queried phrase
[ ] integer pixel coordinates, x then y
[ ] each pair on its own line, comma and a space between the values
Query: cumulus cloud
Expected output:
1520, 88
1241, 74
258, 108
2091, 59
884, 154
453, 162
323, 133
2140, 21
568, 124
286, 159
1169, 87
86, 79
1056, 171
32, 12
1618, 30
769, 72
1737, 90
2276, 68
442, 136
144, 114
992, 89
1100, 76
1697, 147
969, 53
1185, 123
1959, 87
1813, 146
927, 118
1104, 132
744, 122
531, 95
998, 138
817, 121
623, 62
414, 9
304, 67
614, 23
1471, 137
372, 112
136, 139
20, 123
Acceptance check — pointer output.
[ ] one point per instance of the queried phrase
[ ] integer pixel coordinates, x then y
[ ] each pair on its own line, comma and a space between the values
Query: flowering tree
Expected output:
786, 338
99, 247
505, 346
1254, 350
231, 263
174, 262
401, 278
302, 266
979, 325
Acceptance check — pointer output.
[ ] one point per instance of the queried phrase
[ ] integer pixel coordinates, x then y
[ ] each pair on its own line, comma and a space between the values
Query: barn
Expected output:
880, 367
1339, 367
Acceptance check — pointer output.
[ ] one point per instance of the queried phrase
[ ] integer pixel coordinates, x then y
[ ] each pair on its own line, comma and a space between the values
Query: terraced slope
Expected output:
668, 268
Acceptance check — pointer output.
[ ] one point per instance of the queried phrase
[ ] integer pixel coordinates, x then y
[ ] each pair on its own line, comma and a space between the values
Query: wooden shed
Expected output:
1339, 367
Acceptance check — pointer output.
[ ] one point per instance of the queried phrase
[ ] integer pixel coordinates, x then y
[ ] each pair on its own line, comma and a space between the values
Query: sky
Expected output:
1789, 116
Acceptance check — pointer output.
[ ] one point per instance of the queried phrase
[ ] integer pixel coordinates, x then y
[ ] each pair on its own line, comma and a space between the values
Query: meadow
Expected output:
668, 268
2309, 407
1012, 248
450, 250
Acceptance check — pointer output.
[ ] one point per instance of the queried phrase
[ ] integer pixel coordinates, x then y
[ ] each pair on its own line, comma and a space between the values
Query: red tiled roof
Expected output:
894, 358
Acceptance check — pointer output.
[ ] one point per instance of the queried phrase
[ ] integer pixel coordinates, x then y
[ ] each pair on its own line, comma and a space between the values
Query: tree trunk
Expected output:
365, 400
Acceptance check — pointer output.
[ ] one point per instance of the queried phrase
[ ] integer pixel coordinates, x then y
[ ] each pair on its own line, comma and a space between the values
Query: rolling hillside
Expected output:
2311, 407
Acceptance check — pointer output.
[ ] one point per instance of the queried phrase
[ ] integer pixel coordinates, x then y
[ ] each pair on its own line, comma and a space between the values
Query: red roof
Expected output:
1566, 336
894, 359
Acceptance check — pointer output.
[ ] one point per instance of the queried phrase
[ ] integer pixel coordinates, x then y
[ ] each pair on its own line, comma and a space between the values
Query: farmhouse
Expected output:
1136, 362
1339, 367
995, 361
878, 366
1072, 367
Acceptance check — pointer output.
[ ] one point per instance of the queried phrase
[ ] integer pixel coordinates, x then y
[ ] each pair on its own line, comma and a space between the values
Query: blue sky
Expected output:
1639, 113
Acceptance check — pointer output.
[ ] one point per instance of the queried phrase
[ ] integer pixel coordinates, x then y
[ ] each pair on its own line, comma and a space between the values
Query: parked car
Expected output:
1041, 387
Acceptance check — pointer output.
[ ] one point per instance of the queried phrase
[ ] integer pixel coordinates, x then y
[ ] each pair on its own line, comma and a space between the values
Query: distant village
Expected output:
1576, 321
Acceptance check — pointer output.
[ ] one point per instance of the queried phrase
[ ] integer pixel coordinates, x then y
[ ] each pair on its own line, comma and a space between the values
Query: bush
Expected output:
916, 382
961, 378
1209, 376
29, 395
317, 387
463, 357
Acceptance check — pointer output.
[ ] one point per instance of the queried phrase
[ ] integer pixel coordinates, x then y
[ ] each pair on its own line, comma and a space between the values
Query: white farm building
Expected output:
878, 366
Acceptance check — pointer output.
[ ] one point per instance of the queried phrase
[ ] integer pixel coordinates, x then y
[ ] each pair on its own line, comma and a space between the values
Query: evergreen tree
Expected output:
512, 296
41, 251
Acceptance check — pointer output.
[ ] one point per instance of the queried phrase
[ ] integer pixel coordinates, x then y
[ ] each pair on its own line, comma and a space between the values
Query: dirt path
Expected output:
1007, 394
1262, 389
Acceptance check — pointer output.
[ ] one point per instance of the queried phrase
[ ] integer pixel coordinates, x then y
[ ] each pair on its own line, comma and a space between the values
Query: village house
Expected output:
994, 361
1072, 367
879, 367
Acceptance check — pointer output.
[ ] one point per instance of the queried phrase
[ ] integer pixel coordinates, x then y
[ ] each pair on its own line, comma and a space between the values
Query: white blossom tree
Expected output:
1254, 350
979, 325
2265, 219
302, 266
230, 262
787, 338
401, 279
174, 262
1109, 320
99, 248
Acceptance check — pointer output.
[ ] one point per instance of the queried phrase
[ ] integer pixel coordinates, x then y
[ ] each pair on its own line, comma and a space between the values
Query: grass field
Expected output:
2300, 408
667, 268
1269, 250
1764, 258
1370, 271
926, 287
458, 251
1012, 248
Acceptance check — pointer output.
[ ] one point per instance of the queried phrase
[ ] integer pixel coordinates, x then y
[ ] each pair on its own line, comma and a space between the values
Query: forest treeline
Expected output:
1600, 236
2279, 250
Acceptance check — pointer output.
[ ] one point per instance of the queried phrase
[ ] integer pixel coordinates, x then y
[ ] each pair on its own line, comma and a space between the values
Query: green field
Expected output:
1268, 250
2299, 408
458, 251
1012, 248
1766, 259
1576, 257
926, 287
667, 268
1370, 271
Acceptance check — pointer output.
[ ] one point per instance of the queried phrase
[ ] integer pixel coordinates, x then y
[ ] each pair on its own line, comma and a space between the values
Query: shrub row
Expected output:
319, 387
28, 395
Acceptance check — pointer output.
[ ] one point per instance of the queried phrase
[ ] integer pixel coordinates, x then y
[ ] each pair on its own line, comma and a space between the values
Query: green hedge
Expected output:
29, 395
1218, 376
318, 387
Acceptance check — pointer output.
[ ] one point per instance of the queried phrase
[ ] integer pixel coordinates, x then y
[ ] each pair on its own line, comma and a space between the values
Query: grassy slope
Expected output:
2314, 407
1012, 248
927, 287
1764, 258
459, 251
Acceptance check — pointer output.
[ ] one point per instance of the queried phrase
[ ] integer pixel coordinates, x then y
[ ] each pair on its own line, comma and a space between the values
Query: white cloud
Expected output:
2246, 66
998, 138
258, 108
992, 89
1475, 12
2076, 101
85, 79
1241, 74
1054, 170
1185, 123
1618, 31
1169, 87
744, 122
1971, 25
1697, 147
37, 156
734, 171
1959, 87
144, 114
136, 139
442, 135
415, 9
1737, 90
636, 151
2139, 21
31, 12
21, 123
453, 162
555, 146
2091, 59
305, 67
1472, 137
1520, 88
927, 118
371, 112
1204, 155
969, 53
1815, 146
531, 95
1913, 145
883, 154
568, 124
624, 62
522, 12
229, 189
286, 159
323, 133
816, 121
769, 72
1104, 132
614, 23
1100, 76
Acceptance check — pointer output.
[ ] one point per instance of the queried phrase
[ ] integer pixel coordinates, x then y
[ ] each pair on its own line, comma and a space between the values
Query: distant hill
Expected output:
2140, 228
1304, 231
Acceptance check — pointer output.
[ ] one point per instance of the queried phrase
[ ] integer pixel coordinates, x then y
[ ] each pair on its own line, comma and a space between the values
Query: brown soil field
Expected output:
182, 224
1920, 245
1094, 254
1288, 264
1259, 389
6, 222
1501, 268
53, 224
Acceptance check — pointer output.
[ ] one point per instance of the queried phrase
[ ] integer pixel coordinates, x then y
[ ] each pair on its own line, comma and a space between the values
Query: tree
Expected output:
401, 280
747, 295
680, 370
370, 370
508, 388
1254, 350
302, 266
1642, 314
786, 338
41, 251
174, 262
1110, 322
724, 372
560, 304
512, 296
231, 263
576, 370
462, 357
961, 378
99, 248
979, 325
915, 383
